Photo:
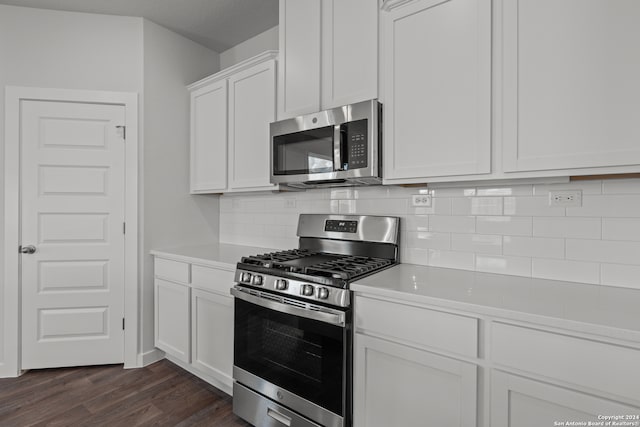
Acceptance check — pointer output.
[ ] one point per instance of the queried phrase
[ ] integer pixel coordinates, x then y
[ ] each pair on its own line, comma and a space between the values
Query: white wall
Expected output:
171, 216
55, 49
504, 229
64, 50
267, 40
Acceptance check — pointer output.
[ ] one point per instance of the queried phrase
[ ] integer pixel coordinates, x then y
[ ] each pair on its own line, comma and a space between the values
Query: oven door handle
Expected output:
337, 319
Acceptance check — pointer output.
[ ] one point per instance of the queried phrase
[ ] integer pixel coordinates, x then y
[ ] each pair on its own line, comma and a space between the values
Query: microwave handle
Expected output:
337, 148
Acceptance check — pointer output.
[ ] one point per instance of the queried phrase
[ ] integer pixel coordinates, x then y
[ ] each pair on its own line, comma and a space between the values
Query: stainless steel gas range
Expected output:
293, 320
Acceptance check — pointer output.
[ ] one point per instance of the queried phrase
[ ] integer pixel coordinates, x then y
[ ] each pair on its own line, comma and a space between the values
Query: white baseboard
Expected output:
150, 357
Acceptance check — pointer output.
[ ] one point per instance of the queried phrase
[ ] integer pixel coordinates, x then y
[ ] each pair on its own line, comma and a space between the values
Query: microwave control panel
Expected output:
356, 145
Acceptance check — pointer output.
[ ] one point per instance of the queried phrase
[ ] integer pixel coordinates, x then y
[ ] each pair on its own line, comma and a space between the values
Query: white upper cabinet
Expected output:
209, 138
328, 54
349, 52
230, 116
570, 85
436, 82
252, 106
299, 45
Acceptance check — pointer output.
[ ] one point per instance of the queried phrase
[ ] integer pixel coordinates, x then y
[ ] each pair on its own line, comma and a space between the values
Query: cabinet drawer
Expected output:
593, 364
211, 279
172, 270
422, 326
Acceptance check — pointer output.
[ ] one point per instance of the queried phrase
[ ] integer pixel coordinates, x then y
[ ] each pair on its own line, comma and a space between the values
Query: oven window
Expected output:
303, 356
305, 152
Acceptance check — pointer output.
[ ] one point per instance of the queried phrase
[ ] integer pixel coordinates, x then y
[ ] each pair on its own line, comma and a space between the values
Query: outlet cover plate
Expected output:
565, 198
421, 200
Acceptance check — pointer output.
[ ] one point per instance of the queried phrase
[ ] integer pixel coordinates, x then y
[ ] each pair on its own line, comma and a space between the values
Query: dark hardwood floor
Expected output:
161, 394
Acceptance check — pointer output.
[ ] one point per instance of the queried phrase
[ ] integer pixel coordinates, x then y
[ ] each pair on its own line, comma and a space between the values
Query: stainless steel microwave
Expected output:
331, 148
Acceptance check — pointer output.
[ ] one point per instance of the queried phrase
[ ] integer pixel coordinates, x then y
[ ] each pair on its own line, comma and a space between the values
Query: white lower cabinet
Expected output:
194, 319
212, 334
522, 402
397, 385
173, 318
422, 365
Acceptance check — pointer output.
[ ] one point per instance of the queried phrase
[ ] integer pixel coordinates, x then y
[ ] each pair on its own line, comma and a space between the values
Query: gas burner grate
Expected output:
318, 264
348, 267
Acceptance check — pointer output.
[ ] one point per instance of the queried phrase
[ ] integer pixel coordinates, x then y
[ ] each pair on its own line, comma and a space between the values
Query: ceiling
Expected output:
217, 24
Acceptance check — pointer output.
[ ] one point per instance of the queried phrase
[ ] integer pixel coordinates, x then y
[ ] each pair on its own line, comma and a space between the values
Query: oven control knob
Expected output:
306, 290
245, 277
256, 280
281, 284
322, 293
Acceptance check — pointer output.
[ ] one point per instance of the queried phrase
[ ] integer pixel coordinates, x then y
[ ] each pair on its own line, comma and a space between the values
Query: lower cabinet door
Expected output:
212, 334
522, 402
172, 319
396, 385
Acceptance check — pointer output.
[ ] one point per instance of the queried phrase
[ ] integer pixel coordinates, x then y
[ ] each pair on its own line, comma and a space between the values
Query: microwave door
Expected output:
304, 153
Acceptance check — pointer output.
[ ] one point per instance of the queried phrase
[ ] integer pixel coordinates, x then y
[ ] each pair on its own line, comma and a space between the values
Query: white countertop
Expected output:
593, 309
221, 255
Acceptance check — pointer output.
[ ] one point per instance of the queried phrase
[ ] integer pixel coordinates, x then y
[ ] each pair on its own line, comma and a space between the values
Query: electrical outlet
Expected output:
290, 203
565, 198
422, 200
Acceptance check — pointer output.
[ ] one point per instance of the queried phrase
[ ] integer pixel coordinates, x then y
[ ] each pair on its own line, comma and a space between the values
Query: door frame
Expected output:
10, 361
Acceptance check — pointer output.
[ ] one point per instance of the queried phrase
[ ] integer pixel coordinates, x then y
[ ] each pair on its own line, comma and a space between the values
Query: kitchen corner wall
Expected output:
499, 229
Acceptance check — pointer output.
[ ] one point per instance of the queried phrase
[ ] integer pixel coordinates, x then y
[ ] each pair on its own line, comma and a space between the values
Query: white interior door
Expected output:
72, 211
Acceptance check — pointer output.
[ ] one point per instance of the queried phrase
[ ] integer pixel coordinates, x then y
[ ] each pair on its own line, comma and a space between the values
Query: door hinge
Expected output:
122, 132
124, 228
123, 323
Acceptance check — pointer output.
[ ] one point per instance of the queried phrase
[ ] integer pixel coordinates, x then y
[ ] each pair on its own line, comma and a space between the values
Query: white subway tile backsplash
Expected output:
572, 271
616, 206
579, 228
427, 240
627, 276
621, 229
414, 256
347, 206
534, 247
476, 206
478, 243
461, 224
587, 187
516, 190
439, 206
451, 259
415, 223
498, 229
606, 251
506, 225
621, 186
514, 265
531, 206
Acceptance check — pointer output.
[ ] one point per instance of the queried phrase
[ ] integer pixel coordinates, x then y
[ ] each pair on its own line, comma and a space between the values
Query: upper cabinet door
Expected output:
349, 52
571, 84
209, 138
299, 74
252, 107
437, 89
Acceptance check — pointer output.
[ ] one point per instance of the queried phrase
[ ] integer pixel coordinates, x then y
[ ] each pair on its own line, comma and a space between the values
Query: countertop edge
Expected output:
500, 314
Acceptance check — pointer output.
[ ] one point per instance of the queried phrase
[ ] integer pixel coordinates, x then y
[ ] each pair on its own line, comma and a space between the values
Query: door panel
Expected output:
72, 210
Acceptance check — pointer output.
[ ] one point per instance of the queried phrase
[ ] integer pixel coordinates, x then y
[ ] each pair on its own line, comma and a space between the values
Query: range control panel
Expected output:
341, 226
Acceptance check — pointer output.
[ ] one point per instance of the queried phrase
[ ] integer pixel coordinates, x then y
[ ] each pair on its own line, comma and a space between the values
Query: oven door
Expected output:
297, 357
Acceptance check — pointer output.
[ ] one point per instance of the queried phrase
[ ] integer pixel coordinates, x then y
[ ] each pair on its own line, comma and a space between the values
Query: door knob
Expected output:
27, 249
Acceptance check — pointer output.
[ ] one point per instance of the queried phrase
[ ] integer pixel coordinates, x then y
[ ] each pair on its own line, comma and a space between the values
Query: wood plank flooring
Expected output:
161, 394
